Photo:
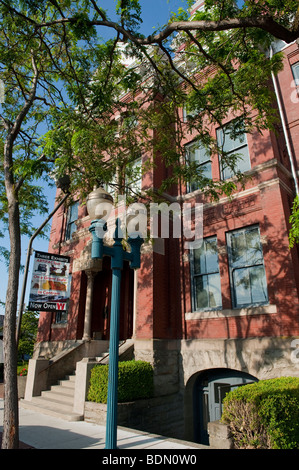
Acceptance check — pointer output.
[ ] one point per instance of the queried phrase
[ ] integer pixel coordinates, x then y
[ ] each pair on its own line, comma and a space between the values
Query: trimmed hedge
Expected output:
135, 381
265, 414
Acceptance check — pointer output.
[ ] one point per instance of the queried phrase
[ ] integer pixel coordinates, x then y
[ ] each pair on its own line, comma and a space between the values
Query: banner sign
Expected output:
49, 286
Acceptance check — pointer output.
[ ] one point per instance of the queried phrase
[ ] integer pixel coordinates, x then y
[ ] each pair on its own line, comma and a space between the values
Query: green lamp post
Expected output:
99, 206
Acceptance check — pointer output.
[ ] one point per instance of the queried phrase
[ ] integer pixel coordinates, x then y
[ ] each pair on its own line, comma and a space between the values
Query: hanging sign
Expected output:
49, 285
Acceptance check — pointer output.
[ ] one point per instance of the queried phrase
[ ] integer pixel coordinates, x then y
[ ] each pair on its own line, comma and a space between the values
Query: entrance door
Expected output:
210, 389
219, 389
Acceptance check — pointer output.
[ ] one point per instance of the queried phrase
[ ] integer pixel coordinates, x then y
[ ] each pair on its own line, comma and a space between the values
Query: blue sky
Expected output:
155, 13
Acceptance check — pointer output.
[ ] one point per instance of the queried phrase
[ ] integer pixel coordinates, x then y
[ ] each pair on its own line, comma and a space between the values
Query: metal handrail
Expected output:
107, 355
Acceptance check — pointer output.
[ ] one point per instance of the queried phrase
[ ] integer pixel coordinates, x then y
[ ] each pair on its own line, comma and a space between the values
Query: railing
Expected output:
107, 355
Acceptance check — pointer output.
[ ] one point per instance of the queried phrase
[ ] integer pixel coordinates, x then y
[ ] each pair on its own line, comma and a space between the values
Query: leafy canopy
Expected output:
103, 102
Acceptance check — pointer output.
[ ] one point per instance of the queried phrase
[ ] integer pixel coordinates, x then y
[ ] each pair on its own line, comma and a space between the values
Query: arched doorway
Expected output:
209, 390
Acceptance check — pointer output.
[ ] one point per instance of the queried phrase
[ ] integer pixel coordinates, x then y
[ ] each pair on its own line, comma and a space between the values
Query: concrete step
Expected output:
58, 401
68, 382
58, 397
64, 388
51, 408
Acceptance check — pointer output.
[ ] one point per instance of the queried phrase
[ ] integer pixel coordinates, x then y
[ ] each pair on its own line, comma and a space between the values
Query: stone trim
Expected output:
253, 171
59, 325
226, 313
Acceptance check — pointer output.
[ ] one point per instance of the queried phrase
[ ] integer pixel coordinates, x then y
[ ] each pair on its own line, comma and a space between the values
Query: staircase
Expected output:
57, 402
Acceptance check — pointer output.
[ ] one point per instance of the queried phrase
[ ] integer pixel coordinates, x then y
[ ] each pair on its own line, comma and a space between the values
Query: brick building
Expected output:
211, 318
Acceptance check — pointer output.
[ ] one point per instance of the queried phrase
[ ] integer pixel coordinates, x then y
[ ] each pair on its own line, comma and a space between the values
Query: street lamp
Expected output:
99, 206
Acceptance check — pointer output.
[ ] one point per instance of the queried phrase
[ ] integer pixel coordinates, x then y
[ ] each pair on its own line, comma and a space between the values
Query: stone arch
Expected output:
204, 393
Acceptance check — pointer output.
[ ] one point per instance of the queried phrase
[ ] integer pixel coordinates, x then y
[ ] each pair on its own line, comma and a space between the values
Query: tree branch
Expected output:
6, 124
27, 105
176, 69
219, 64
98, 10
21, 180
264, 22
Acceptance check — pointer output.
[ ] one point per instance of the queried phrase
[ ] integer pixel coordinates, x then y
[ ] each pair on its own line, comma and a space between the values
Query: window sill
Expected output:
240, 312
59, 325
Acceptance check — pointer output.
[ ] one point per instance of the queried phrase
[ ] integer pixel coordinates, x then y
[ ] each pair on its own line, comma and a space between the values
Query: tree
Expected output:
30, 74
17, 114
50, 56
294, 221
229, 42
28, 333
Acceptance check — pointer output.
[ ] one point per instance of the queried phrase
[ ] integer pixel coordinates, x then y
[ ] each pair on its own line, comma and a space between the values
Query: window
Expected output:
295, 70
205, 276
189, 114
61, 317
230, 146
72, 216
295, 84
246, 266
111, 188
197, 154
134, 177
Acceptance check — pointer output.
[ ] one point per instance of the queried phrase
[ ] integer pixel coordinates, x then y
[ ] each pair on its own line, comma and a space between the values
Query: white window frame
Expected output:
134, 184
70, 222
207, 273
199, 152
227, 172
248, 265
295, 71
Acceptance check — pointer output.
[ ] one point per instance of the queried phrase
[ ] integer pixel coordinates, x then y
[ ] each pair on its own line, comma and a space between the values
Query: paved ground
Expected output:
39, 431
22, 445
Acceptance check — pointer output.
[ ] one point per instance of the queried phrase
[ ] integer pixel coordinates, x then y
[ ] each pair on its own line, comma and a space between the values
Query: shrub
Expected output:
264, 414
22, 368
135, 381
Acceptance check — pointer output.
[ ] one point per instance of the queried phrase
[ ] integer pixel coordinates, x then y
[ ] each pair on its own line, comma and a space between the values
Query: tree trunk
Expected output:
10, 438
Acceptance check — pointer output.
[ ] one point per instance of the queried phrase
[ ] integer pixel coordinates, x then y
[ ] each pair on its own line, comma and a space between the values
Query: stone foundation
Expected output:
219, 436
160, 415
177, 365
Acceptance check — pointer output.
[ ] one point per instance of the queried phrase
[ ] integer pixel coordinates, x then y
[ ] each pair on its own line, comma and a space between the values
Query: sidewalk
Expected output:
40, 431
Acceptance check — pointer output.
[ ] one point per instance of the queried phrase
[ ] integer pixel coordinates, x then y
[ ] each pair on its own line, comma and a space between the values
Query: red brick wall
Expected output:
267, 209
144, 301
164, 295
290, 97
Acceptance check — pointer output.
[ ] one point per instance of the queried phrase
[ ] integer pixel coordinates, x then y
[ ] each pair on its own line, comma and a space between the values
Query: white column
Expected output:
88, 305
